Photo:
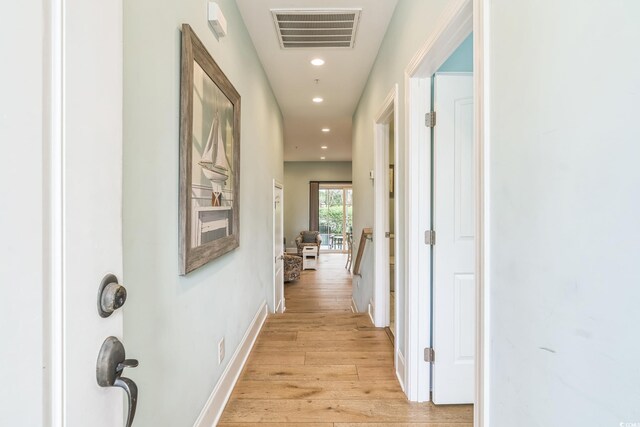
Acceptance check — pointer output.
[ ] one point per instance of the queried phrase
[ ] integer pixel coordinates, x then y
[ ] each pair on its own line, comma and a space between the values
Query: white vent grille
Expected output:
316, 28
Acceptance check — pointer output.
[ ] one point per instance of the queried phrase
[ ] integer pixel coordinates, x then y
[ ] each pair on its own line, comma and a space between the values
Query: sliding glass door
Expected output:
335, 216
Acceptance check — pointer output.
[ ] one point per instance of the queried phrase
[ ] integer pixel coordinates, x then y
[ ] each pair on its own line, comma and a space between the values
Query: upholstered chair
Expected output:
308, 238
292, 267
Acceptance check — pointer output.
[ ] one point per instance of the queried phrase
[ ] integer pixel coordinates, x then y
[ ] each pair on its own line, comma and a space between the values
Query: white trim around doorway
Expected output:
387, 114
455, 24
53, 307
278, 305
481, 28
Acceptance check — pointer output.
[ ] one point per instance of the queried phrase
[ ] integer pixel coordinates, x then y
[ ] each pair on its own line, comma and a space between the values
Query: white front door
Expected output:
278, 248
454, 252
86, 118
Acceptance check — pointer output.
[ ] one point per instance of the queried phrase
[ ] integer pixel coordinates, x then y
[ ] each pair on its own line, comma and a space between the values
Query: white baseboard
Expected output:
400, 369
371, 308
280, 308
354, 307
214, 407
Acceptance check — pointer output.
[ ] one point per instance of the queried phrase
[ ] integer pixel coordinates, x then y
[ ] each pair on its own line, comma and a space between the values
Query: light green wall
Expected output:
563, 207
173, 323
412, 24
296, 191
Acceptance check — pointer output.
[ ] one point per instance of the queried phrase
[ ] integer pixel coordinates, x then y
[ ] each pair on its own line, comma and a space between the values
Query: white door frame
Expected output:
54, 399
455, 24
276, 304
387, 113
481, 51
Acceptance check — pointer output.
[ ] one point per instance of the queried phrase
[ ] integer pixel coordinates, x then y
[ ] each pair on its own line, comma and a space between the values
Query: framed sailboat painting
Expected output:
209, 157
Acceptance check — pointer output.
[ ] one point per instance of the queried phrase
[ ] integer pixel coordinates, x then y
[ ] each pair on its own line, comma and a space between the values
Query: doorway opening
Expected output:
278, 248
335, 216
442, 213
388, 168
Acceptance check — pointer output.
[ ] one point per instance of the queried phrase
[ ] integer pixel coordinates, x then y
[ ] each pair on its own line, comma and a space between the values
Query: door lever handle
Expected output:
132, 396
109, 367
129, 363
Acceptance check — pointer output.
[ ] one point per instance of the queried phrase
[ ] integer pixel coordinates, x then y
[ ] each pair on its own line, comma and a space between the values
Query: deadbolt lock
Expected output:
111, 296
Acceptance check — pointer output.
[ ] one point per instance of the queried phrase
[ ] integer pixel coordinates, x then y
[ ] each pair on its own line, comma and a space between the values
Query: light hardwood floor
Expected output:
320, 365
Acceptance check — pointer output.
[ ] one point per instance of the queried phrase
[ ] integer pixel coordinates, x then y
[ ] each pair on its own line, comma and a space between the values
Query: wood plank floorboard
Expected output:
367, 373
370, 410
318, 390
322, 346
400, 424
359, 358
379, 335
300, 372
320, 365
276, 425
277, 358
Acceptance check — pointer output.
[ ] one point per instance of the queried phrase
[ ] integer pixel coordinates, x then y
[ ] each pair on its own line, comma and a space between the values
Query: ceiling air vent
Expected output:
315, 28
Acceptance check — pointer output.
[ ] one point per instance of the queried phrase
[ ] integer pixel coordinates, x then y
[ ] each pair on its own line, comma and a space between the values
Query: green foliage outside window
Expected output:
331, 218
332, 211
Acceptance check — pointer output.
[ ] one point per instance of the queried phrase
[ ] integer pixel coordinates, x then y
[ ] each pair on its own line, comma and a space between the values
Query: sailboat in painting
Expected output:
214, 161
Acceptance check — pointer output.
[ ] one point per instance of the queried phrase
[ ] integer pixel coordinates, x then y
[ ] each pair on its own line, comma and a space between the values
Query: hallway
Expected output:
320, 365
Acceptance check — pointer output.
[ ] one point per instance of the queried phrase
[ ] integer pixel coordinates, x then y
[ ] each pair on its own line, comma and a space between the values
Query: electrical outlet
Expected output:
220, 351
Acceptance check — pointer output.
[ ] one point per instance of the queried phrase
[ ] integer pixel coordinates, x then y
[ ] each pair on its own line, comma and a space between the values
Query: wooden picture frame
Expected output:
209, 158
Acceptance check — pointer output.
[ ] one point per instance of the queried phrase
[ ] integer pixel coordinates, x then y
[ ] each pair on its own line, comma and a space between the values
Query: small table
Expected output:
309, 257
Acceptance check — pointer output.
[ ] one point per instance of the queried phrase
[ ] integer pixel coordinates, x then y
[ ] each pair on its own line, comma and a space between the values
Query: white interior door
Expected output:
87, 177
454, 251
278, 248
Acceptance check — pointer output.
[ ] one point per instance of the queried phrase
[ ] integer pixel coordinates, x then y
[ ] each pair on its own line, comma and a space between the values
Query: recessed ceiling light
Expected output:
317, 100
326, 129
317, 62
324, 147
322, 158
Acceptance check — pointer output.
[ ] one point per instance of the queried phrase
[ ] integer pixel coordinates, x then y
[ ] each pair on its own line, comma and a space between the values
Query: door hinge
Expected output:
429, 355
430, 119
430, 237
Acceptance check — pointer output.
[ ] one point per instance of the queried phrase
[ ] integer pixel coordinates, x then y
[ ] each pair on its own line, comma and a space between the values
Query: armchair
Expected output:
292, 267
308, 238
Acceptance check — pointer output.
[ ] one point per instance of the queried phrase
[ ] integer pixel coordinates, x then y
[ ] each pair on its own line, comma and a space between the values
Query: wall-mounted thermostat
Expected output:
216, 19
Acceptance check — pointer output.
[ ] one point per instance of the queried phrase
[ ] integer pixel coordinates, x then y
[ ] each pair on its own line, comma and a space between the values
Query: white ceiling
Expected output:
341, 78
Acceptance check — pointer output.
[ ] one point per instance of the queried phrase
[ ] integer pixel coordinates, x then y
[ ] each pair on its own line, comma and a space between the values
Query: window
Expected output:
335, 216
